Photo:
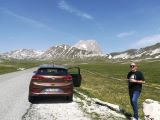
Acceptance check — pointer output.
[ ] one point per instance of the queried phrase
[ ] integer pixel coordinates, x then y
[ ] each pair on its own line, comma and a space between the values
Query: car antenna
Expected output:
52, 62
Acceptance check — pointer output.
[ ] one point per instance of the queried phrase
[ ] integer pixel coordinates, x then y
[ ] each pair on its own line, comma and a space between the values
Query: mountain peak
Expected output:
88, 45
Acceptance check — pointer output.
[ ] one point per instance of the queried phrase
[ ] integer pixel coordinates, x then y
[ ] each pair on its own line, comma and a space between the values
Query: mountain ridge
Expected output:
56, 52
73, 52
152, 51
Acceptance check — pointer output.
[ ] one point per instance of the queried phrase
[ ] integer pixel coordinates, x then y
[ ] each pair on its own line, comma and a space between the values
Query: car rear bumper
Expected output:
51, 94
65, 91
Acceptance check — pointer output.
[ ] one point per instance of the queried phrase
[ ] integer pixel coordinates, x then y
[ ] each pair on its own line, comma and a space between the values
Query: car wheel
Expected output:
70, 98
78, 84
31, 99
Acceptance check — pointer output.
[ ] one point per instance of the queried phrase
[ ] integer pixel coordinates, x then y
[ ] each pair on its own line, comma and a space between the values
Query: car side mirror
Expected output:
34, 72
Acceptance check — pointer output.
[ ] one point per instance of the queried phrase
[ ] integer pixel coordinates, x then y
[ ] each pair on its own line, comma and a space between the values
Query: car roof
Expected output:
52, 66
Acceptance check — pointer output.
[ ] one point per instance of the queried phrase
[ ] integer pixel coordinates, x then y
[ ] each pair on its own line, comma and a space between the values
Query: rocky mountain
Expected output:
81, 50
65, 51
142, 53
57, 52
89, 45
22, 54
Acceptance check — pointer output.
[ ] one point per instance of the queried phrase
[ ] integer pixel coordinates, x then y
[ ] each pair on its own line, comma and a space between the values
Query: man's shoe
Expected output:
134, 118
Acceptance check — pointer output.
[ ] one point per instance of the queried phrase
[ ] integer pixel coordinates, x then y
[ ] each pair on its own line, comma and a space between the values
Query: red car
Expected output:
53, 80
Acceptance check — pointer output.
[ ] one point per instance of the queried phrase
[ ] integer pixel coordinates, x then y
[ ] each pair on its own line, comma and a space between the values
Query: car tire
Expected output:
78, 84
70, 98
31, 99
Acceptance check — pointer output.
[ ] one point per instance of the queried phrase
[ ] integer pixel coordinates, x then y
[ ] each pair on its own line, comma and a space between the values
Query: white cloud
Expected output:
27, 20
147, 41
65, 6
125, 34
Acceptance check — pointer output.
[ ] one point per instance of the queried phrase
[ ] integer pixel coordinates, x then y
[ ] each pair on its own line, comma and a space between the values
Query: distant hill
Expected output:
142, 53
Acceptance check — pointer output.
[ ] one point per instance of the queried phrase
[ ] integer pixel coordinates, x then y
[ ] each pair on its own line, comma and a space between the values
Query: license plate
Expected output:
52, 90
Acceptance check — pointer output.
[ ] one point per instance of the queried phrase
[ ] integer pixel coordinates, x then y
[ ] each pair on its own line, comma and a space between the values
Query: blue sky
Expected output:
116, 25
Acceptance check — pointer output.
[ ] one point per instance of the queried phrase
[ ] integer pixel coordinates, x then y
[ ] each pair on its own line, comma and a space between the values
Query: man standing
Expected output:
135, 81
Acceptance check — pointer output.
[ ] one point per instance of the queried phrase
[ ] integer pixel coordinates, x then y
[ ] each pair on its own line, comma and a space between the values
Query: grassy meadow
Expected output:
7, 66
107, 81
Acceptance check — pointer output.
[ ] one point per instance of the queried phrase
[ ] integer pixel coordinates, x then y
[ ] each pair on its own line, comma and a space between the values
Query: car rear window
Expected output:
52, 71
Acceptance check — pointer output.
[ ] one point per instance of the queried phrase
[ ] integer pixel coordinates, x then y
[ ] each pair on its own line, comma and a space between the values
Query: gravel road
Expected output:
57, 109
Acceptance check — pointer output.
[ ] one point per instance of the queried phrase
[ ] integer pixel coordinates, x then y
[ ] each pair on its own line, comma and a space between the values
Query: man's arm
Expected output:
137, 81
140, 80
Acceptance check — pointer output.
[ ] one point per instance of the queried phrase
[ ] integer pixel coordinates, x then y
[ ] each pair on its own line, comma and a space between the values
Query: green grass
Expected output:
6, 69
98, 82
7, 66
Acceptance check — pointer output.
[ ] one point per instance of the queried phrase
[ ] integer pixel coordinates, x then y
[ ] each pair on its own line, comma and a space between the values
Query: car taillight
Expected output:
68, 77
37, 77
35, 90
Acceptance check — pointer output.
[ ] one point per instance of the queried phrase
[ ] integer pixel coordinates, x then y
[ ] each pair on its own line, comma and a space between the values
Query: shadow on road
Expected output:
51, 100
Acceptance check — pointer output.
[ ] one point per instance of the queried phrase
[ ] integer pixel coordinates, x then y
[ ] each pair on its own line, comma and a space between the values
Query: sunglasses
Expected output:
132, 66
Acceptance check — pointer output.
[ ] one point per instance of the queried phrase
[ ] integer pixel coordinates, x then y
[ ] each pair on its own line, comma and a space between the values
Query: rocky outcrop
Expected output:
151, 110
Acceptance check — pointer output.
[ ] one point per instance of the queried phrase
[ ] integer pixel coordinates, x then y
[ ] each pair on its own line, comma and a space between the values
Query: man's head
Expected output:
133, 67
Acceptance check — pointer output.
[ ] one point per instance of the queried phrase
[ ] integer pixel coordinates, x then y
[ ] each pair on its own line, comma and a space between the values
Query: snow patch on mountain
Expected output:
156, 51
123, 56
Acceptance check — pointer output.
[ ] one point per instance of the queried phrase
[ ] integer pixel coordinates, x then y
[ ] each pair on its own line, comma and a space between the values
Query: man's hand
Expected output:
132, 80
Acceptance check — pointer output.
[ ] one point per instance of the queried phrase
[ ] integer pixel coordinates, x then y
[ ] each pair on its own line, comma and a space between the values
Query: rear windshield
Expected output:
52, 71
